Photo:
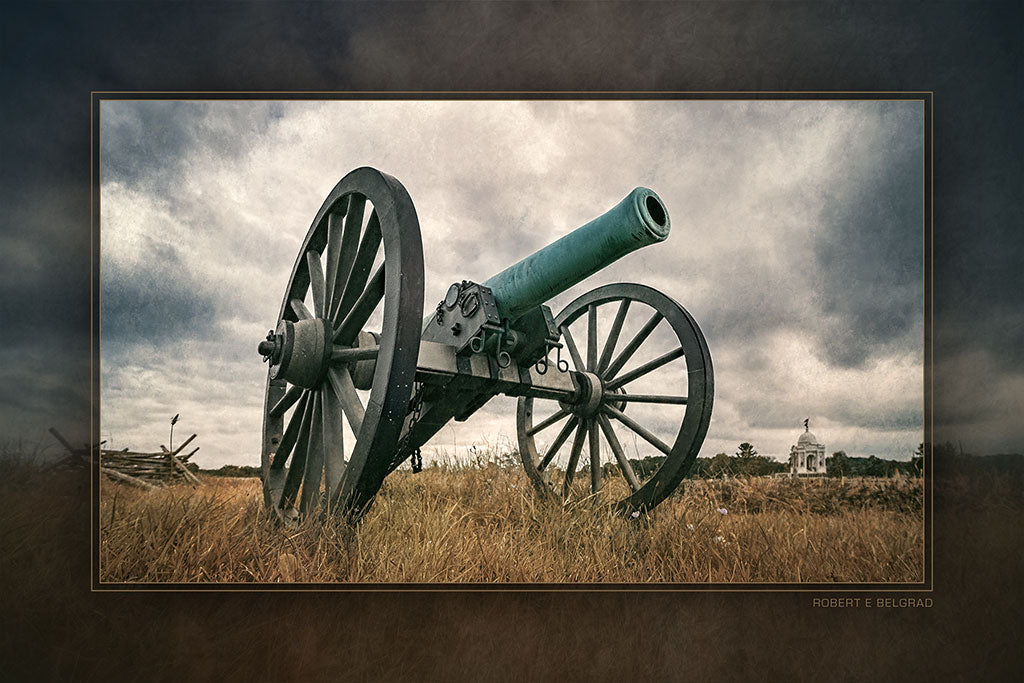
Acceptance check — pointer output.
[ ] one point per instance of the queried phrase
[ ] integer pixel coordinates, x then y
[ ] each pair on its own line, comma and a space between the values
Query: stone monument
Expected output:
807, 457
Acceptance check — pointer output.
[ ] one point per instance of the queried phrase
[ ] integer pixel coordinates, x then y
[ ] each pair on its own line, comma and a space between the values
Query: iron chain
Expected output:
415, 410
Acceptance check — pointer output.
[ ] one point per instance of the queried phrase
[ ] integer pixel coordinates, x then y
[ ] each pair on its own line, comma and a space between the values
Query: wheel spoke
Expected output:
613, 336
547, 422
362, 309
638, 428
574, 458
334, 441
365, 255
633, 345
291, 432
314, 468
316, 281
347, 239
574, 352
644, 369
335, 230
620, 456
557, 443
298, 465
300, 310
341, 382
287, 401
592, 338
651, 398
275, 482
595, 457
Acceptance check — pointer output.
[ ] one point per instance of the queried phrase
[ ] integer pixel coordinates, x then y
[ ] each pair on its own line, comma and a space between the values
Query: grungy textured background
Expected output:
52, 56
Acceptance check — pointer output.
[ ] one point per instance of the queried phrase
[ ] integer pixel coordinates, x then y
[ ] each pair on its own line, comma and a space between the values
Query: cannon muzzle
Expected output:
638, 220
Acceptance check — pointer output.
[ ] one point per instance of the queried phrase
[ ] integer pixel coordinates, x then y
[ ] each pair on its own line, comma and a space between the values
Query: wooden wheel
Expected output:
360, 267
658, 408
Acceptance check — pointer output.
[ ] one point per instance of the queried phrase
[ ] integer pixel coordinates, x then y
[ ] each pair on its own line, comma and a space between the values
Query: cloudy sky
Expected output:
796, 244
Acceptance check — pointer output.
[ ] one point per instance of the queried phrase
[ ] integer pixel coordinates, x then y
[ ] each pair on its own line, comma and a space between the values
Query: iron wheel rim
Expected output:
368, 217
682, 449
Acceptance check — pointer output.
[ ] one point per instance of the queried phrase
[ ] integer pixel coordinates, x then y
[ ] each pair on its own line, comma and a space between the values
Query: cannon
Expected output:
359, 380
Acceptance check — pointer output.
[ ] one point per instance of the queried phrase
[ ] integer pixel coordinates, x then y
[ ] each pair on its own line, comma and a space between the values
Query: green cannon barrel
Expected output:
638, 220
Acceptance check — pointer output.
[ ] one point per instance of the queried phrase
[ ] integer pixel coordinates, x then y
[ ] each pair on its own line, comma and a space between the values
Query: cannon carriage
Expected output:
352, 348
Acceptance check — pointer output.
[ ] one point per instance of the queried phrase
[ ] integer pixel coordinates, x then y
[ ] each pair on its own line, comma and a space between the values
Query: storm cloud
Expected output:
966, 54
796, 244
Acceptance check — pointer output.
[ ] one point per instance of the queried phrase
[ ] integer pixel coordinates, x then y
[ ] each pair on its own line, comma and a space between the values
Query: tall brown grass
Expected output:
484, 523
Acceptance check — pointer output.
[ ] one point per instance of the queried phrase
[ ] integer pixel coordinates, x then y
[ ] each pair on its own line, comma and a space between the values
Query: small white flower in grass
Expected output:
723, 511
690, 527
636, 513
720, 539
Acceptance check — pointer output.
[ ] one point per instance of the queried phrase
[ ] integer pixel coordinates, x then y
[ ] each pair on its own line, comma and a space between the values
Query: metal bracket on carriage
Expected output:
467, 318
438, 363
537, 334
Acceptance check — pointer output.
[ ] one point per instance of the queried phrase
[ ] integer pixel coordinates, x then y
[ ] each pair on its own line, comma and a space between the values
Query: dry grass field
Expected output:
60, 630
484, 523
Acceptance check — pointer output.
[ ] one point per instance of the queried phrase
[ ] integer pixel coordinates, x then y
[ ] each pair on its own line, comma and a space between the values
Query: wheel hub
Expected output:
298, 351
591, 393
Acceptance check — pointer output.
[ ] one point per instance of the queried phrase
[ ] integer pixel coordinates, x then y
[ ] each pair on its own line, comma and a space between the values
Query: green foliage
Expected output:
842, 465
746, 462
917, 462
235, 471
746, 451
648, 466
874, 467
838, 465
720, 466
760, 466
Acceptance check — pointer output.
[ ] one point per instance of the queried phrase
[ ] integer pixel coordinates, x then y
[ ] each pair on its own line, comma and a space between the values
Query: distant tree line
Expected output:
841, 465
235, 471
748, 463
745, 463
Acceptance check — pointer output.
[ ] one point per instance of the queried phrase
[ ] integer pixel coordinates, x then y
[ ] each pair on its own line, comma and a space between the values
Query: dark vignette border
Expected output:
968, 54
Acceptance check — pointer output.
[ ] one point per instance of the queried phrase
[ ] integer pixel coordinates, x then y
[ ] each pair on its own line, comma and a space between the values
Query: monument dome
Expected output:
807, 457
